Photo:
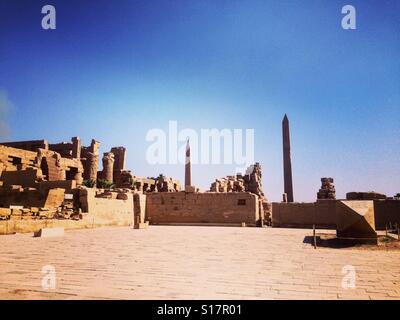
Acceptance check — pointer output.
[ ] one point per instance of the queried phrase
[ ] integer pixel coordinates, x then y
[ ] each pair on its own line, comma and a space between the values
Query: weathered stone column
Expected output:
108, 166
91, 160
92, 165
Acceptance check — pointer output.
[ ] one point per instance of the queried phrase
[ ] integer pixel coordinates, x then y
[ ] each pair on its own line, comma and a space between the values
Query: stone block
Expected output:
16, 212
49, 232
55, 198
190, 189
5, 212
68, 196
356, 220
16, 207
122, 196
142, 225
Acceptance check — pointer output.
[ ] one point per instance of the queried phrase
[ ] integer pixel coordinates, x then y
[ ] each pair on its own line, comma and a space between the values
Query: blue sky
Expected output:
114, 70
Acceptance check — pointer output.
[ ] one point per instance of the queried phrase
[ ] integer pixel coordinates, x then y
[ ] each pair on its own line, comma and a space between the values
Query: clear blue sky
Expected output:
112, 70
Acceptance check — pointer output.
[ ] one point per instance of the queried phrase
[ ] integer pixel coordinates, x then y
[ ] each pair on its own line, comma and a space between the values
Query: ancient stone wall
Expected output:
322, 213
12, 159
365, 196
32, 145
29, 210
18, 196
63, 148
304, 215
67, 149
110, 203
29, 177
203, 208
387, 212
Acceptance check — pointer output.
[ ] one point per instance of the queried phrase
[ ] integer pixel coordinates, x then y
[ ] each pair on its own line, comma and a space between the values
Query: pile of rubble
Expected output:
29, 203
34, 213
228, 184
327, 190
250, 182
164, 184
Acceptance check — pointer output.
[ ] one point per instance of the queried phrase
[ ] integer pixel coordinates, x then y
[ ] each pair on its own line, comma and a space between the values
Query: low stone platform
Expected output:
89, 221
182, 262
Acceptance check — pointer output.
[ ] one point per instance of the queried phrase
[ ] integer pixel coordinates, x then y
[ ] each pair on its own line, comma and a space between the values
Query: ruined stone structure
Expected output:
43, 184
327, 190
228, 184
27, 163
365, 196
287, 161
164, 184
250, 182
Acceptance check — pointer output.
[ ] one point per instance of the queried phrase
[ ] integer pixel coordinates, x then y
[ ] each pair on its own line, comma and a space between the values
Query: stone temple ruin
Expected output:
46, 185
42, 181
49, 185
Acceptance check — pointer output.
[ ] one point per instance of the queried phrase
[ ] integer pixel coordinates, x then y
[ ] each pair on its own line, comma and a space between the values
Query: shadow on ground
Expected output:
331, 241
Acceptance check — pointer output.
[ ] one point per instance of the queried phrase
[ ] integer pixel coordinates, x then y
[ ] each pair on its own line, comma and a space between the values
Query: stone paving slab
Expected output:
185, 262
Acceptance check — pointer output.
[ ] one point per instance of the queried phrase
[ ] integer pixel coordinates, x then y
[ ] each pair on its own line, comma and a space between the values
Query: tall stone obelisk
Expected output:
287, 162
188, 166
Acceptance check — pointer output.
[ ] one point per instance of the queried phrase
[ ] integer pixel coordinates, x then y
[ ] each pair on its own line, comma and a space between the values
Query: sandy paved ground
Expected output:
166, 262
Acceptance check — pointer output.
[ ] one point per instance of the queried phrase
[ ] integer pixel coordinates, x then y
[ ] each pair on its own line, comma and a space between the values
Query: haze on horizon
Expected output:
114, 71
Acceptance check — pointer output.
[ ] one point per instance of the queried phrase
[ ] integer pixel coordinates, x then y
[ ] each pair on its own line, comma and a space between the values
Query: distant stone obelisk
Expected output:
287, 162
188, 166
